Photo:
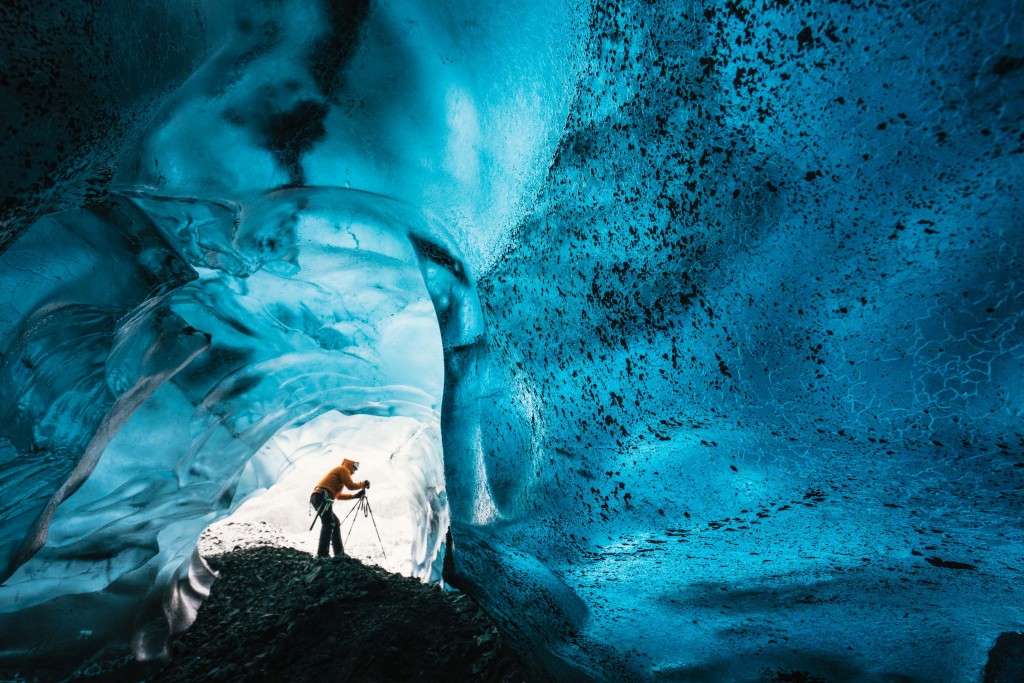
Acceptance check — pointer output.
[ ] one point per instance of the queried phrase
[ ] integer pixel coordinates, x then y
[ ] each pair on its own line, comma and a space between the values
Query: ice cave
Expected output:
701, 322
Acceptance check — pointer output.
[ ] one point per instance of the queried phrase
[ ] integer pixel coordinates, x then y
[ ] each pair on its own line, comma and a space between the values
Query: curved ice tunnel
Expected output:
320, 310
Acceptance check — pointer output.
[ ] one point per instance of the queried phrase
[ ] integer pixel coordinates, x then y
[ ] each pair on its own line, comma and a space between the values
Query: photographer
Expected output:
329, 489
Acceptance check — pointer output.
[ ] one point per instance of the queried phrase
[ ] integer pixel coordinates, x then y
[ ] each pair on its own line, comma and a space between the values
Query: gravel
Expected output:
279, 614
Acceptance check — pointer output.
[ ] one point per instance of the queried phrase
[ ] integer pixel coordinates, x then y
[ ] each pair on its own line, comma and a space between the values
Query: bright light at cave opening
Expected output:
396, 454
389, 338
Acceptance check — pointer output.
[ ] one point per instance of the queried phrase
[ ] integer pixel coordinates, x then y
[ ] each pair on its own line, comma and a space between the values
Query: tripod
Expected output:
364, 506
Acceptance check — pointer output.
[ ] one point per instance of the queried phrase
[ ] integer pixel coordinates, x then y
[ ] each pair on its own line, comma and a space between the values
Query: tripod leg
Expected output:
352, 526
349, 513
370, 510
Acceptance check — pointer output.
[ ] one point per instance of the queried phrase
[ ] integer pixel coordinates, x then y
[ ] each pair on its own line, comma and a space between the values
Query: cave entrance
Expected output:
401, 456
351, 367
309, 328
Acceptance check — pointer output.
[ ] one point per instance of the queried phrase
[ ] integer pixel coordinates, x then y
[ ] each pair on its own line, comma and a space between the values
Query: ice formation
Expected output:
728, 296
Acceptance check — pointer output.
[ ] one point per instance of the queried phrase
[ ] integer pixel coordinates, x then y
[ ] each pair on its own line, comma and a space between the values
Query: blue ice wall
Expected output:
729, 295
80, 82
758, 351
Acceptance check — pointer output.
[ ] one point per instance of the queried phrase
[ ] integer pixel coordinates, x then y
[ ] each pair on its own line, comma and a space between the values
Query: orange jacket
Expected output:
338, 479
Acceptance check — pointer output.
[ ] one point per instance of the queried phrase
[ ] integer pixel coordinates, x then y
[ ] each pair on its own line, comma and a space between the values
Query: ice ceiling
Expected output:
728, 295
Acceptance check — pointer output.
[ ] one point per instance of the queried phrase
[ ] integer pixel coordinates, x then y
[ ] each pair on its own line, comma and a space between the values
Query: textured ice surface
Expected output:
178, 392
728, 295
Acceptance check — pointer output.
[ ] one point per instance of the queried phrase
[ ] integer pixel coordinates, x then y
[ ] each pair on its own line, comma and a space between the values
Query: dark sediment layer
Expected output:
278, 614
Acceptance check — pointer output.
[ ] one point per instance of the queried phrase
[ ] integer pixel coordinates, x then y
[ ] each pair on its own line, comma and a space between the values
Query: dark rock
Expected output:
1006, 659
304, 619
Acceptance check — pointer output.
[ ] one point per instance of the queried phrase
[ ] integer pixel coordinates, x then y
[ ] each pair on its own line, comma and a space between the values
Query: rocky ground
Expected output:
279, 614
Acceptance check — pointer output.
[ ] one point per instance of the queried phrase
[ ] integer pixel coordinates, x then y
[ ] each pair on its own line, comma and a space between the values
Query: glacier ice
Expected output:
728, 296
303, 322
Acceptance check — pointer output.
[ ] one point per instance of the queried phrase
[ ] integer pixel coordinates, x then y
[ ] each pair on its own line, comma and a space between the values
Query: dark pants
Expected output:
330, 526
